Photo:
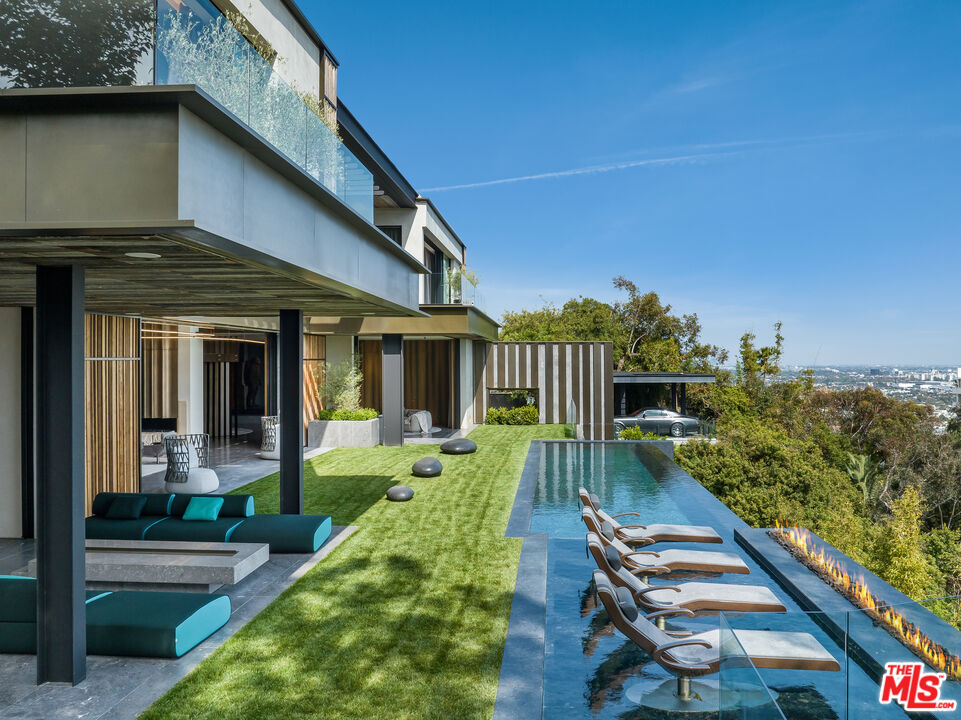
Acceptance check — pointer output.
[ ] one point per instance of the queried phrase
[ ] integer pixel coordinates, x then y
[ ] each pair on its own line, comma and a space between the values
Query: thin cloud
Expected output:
759, 143
697, 85
590, 170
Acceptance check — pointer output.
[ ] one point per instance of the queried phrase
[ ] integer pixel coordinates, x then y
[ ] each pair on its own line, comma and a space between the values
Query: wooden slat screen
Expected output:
217, 399
562, 373
112, 405
315, 353
160, 375
428, 377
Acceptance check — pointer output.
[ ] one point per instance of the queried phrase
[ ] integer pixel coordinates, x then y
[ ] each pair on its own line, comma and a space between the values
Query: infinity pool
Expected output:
589, 667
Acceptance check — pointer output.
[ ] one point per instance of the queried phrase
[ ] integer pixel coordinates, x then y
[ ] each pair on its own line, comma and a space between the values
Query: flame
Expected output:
857, 591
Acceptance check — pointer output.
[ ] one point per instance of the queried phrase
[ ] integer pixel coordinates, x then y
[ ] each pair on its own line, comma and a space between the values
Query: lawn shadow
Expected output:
344, 497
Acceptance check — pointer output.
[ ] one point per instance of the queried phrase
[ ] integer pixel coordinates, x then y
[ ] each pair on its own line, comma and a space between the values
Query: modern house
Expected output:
183, 199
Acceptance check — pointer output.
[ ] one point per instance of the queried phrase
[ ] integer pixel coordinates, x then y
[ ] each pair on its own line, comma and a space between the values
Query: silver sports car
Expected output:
658, 420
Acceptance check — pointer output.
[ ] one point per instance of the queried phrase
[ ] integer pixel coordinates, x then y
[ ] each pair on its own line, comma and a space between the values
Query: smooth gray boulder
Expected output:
399, 493
458, 446
427, 467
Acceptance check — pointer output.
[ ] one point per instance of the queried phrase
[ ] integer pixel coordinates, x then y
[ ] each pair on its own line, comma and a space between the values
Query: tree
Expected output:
761, 363
901, 550
655, 340
644, 333
59, 43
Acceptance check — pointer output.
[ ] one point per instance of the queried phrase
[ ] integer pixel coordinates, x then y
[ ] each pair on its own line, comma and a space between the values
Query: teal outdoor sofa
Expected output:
141, 624
162, 519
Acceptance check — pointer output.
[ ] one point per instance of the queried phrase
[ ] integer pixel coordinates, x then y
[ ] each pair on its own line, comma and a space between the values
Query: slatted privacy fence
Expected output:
574, 381
112, 405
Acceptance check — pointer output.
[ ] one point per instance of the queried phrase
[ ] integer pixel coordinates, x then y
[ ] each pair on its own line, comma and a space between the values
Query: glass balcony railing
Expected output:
173, 42
211, 53
450, 288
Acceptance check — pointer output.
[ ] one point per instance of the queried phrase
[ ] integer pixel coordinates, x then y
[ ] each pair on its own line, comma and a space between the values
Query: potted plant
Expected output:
343, 422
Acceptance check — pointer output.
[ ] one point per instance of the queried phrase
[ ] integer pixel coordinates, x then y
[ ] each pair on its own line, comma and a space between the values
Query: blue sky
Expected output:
749, 161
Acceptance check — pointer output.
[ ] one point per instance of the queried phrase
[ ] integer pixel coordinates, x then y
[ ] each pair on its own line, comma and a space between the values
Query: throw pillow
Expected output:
126, 507
203, 508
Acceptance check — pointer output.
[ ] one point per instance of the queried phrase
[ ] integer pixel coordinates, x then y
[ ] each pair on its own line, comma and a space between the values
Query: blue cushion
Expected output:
285, 533
139, 623
126, 507
153, 624
218, 530
100, 528
157, 503
203, 508
234, 505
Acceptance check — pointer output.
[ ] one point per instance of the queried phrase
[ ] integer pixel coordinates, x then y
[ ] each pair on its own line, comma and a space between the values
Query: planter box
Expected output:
344, 433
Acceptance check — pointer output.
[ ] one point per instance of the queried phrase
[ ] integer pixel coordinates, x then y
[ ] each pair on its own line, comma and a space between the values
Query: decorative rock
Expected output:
458, 446
427, 467
399, 493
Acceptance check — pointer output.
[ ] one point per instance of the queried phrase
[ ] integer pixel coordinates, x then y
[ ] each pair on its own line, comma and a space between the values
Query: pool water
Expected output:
615, 473
588, 665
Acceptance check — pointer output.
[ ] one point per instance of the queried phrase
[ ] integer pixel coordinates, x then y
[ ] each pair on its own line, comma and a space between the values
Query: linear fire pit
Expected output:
867, 643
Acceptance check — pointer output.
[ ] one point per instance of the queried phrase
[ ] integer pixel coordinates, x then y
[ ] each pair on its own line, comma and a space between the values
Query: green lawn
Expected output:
406, 619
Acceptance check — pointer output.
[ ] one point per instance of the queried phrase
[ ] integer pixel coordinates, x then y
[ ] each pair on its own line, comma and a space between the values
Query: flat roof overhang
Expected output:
91, 174
452, 321
660, 378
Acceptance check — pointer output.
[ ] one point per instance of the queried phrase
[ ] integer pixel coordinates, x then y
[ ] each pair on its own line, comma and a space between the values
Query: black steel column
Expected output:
270, 369
674, 397
27, 425
61, 615
291, 351
392, 388
684, 398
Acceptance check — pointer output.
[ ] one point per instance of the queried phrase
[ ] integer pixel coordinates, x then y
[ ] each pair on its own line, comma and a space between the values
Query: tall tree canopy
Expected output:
645, 334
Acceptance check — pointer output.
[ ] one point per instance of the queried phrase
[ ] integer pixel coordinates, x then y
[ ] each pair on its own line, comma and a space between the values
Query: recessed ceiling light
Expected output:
368, 313
143, 255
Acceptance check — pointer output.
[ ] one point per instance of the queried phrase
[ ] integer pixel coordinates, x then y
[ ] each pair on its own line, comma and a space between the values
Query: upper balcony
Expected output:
451, 287
179, 42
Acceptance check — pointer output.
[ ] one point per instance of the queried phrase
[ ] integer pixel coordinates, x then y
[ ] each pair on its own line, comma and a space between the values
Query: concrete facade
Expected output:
10, 513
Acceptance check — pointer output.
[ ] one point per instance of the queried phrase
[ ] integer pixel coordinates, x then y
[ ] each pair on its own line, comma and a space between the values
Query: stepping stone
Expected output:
458, 446
399, 493
427, 467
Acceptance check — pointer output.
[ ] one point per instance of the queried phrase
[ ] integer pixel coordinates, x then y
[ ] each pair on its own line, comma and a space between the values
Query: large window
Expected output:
394, 232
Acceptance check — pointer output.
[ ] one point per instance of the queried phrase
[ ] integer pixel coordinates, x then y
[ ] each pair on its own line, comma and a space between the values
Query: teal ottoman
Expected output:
153, 624
142, 624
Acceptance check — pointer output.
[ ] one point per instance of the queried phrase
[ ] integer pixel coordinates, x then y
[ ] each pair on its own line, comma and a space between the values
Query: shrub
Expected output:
635, 433
361, 414
524, 415
340, 386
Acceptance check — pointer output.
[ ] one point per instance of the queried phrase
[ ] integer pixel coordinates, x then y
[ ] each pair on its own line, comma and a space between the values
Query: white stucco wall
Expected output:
339, 348
298, 58
190, 386
466, 409
10, 506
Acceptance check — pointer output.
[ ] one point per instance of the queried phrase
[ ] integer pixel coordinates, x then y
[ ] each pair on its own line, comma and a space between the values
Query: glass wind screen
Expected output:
197, 45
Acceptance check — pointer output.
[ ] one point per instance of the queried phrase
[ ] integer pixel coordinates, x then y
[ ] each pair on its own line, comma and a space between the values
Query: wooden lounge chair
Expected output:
648, 534
649, 562
642, 535
688, 595
701, 654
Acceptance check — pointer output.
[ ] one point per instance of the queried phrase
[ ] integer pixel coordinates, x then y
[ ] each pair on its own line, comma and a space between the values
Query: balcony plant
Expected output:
456, 279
